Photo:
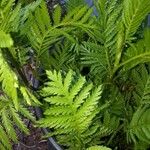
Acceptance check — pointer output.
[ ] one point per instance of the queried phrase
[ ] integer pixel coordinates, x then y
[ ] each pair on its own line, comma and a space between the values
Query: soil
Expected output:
33, 141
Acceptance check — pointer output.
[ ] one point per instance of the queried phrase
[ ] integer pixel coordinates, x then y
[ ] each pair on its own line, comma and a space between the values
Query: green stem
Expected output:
132, 59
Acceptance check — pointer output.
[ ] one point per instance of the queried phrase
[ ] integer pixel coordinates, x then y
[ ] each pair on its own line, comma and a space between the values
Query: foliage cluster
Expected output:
110, 105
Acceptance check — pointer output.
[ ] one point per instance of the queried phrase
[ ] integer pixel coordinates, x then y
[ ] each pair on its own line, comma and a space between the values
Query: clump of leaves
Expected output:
118, 58
73, 104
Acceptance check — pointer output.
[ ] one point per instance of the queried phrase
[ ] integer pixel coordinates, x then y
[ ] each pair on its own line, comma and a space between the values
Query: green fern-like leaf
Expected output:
4, 139
9, 80
20, 54
57, 15
98, 148
26, 11
10, 16
141, 78
43, 32
73, 106
9, 118
9, 23
134, 13
100, 57
28, 96
62, 57
95, 56
6, 120
5, 40
71, 4
10, 84
137, 53
139, 128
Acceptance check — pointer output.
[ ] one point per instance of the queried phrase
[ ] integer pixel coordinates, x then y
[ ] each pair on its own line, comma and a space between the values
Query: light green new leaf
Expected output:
98, 148
5, 40
73, 106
